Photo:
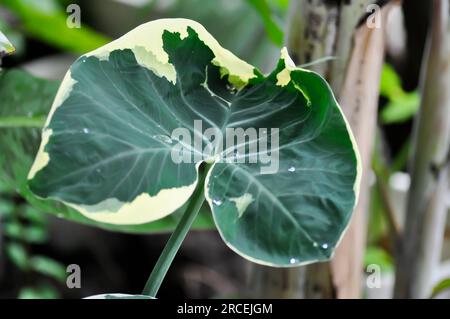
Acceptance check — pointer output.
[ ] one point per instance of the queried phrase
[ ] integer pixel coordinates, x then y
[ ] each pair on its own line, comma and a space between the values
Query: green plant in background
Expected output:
266, 12
47, 20
402, 105
442, 286
377, 256
21, 226
107, 145
25, 228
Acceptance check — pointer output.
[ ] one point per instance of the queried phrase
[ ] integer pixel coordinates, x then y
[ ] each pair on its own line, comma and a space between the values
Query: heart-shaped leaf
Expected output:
133, 121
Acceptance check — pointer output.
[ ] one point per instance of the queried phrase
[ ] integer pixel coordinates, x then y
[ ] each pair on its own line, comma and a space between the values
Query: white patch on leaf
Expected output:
147, 59
284, 76
242, 203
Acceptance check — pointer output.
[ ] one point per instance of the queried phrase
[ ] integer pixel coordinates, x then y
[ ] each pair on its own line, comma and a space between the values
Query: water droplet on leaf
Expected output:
231, 88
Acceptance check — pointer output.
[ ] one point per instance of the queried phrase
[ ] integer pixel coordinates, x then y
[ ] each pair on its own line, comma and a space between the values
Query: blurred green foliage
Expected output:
48, 267
402, 105
18, 255
273, 29
378, 256
38, 292
47, 21
23, 229
442, 286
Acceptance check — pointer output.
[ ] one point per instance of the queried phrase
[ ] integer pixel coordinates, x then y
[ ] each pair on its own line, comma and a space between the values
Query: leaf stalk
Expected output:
176, 239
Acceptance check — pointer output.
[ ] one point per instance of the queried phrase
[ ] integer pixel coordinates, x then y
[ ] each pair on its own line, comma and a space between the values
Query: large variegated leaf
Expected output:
108, 143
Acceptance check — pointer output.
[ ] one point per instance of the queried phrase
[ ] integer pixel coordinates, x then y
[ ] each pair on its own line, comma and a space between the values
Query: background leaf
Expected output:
378, 256
402, 106
442, 286
46, 20
400, 109
49, 267
18, 255
273, 30
40, 292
